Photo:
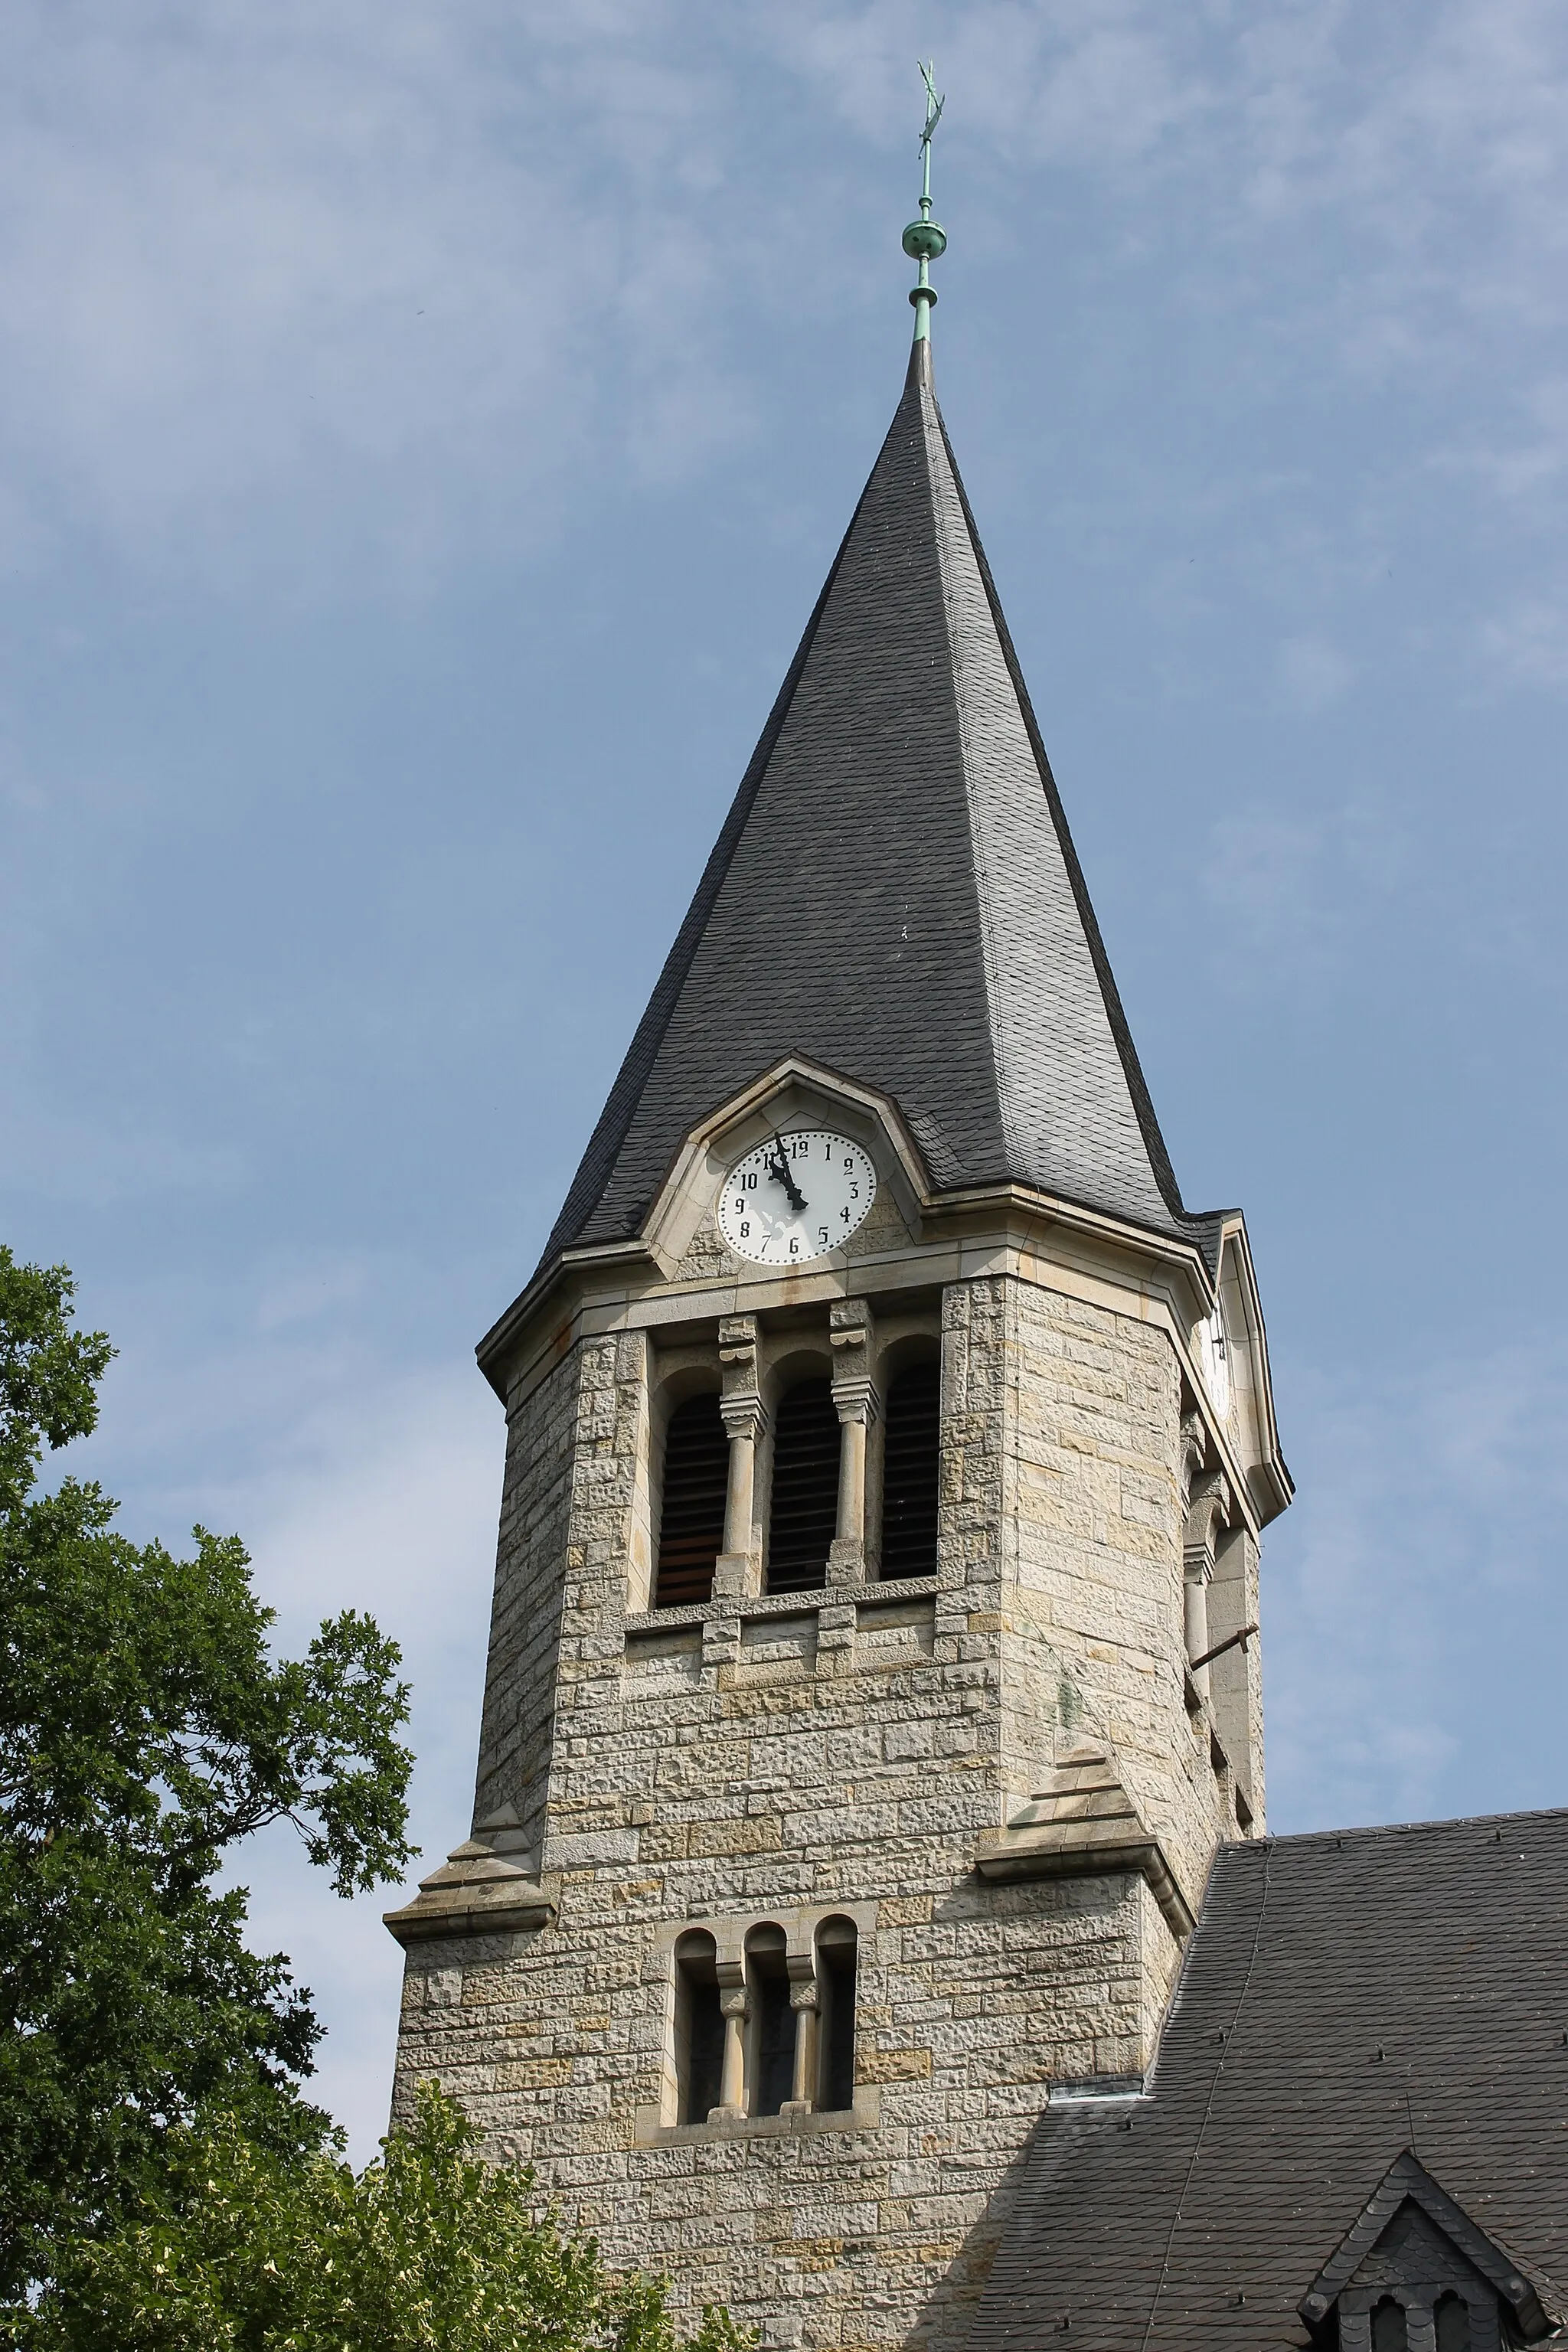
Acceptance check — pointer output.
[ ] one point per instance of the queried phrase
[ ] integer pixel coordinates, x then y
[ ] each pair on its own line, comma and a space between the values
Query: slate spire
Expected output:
895, 893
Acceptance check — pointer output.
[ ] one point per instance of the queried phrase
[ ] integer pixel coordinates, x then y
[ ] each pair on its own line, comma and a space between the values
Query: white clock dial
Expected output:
1214, 1361
797, 1197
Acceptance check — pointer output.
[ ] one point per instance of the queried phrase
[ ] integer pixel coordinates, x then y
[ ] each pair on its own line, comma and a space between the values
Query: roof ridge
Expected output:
1142, 1101
935, 438
1239, 1846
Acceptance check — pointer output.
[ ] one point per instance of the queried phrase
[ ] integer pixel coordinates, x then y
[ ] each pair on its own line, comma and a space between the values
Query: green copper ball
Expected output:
925, 240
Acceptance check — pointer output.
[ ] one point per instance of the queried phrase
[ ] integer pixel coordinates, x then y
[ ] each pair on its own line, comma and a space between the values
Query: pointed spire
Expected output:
925, 240
895, 893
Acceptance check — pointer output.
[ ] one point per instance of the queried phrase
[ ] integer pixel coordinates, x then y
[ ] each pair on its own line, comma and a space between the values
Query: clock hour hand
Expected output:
778, 1168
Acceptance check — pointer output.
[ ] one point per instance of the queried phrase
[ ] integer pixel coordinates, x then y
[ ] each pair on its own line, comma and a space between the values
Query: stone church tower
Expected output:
871, 1677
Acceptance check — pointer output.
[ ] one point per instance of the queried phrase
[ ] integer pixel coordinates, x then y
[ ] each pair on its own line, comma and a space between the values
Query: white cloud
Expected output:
369, 259
1313, 672
1526, 644
343, 285
1413, 1615
385, 1501
351, 1486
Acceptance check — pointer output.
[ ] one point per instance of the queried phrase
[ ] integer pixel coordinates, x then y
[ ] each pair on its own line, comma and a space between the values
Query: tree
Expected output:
145, 1731
430, 2250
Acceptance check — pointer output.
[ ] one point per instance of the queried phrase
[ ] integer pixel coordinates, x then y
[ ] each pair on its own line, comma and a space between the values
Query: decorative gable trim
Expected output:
1407, 2178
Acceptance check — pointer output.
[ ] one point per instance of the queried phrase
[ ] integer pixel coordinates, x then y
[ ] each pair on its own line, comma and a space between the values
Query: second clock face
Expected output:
796, 1197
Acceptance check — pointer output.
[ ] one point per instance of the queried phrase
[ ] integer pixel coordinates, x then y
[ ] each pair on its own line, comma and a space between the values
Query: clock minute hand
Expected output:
778, 1168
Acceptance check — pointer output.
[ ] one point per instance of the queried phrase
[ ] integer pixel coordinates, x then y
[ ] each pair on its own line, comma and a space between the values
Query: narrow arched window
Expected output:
804, 1509
699, 2029
909, 1472
1451, 2324
691, 1515
773, 2020
836, 1950
1389, 2333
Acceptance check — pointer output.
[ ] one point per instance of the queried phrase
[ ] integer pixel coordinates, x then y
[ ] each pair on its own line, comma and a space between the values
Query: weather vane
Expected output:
925, 240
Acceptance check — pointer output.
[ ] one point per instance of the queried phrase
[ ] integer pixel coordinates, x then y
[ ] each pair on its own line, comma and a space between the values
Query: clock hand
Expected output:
778, 1168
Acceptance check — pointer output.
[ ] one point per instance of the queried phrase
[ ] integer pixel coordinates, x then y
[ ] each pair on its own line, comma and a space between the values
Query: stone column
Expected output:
850, 1330
804, 2007
1208, 1508
736, 1571
735, 2008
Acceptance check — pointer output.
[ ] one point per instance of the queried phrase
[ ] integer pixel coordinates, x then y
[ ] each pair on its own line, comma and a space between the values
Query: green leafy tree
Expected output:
430, 2250
145, 1730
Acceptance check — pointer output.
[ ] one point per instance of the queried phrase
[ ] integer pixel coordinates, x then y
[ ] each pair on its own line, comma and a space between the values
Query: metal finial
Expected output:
925, 240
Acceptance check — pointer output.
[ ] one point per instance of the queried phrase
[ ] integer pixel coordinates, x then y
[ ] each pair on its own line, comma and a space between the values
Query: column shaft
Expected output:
851, 1526
738, 1504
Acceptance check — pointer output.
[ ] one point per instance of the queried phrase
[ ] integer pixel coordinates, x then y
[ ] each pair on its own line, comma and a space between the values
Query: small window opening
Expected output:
1388, 2329
909, 1460
1452, 2324
691, 1519
773, 2025
804, 1513
835, 2042
699, 2029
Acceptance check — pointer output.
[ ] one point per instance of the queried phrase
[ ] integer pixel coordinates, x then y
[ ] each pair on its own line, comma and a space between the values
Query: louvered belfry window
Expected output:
804, 1513
909, 1456
691, 1521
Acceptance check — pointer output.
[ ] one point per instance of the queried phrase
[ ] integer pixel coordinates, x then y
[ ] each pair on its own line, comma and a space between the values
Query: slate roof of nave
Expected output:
894, 894
1344, 1997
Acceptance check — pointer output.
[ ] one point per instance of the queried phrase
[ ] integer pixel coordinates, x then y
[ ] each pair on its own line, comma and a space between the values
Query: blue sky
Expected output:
426, 431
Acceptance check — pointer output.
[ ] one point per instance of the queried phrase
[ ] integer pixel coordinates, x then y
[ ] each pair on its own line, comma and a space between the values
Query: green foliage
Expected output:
430, 2250
144, 1731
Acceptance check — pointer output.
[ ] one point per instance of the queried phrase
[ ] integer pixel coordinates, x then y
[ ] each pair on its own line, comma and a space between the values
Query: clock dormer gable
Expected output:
795, 1094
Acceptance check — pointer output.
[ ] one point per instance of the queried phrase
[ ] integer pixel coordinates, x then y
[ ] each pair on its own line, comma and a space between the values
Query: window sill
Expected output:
864, 2116
884, 1595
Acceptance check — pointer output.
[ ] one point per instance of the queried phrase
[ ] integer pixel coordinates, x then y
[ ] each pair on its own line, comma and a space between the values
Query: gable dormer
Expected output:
1415, 2274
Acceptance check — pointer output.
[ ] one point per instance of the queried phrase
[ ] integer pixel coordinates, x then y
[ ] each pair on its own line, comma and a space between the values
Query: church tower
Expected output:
873, 1671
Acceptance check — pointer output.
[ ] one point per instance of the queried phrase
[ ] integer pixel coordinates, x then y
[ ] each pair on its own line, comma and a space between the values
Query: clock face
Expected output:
1214, 1361
797, 1197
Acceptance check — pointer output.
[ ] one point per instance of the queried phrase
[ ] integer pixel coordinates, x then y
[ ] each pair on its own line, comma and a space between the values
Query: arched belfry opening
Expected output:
911, 1470
803, 1512
696, 1470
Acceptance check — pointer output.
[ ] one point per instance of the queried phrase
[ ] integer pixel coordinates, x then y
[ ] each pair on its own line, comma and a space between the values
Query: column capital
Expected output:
737, 1334
740, 1401
1209, 1505
856, 1398
850, 1322
851, 1328
1194, 1446
744, 1413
